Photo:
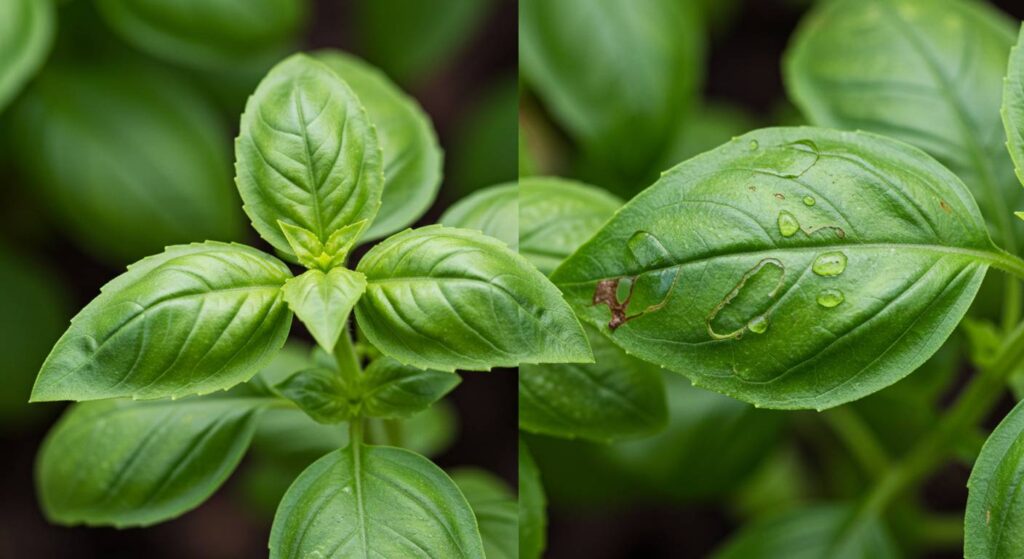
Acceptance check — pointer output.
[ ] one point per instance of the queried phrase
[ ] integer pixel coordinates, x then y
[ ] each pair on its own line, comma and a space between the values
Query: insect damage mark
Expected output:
745, 303
607, 293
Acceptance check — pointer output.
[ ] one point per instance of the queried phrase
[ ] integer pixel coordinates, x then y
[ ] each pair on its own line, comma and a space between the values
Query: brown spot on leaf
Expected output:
752, 188
945, 207
780, 196
606, 293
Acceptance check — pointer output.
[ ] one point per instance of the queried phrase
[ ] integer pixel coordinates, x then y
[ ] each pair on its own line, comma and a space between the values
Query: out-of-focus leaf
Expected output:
533, 516
496, 510
704, 129
485, 147
492, 211
26, 34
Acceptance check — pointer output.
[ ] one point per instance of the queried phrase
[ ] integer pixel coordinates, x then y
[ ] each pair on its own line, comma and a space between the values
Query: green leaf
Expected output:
617, 396
484, 149
367, 501
444, 298
307, 153
994, 511
293, 357
496, 510
26, 35
556, 216
206, 34
412, 155
811, 533
134, 161
1013, 108
323, 301
492, 210
532, 514
191, 320
901, 70
617, 75
790, 268
392, 390
122, 463
321, 393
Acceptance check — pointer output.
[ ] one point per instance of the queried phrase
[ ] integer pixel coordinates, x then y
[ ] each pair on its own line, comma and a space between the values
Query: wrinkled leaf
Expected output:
496, 510
26, 34
320, 393
323, 301
391, 390
492, 210
994, 510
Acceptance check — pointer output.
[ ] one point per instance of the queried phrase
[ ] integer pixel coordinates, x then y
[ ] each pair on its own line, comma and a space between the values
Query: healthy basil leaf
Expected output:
617, 396
556, 216
619, 77
1013, 107
132, 162
790, 268
323, 301
293, 357
206, 34
191, 320
994, 512
900, 70
307, 153
320, 393
368, 501
123, 463
412, 155
444, 298
26, 34
812, 533
532, 514
392, 390
496, 510
492, 210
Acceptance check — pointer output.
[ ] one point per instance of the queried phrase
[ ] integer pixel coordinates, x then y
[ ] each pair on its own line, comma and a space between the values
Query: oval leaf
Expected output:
26, 34
412, 155
194, 319
307, 153
994, 510
323, 301
790, 268
496, 510
444, 298
492, 211
123, 463
366, 501
392, 390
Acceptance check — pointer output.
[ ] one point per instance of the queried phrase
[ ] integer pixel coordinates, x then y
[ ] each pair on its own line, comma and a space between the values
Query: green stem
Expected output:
356, 428
1008, 263
859, 439
347, 360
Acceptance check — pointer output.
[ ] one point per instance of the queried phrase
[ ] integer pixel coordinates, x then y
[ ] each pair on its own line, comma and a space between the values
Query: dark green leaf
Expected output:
323, 301
412, 156
307, 153
391, 390
191, 320
994, 509
125, 463
320, 393
496, 510
491, 210
790, 268
367, 501
532, 507
26, 33
444, 298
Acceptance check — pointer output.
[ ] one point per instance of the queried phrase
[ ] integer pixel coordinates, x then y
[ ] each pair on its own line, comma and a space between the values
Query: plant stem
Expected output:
347, 360
355, 432
859, 439
1008, 263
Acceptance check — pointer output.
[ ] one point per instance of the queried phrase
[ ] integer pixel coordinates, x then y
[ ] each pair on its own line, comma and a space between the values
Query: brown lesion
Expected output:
607, 293
945, 206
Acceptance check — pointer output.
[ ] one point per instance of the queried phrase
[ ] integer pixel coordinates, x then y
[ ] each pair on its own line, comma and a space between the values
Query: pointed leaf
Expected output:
303, 242
320, 393
323, 301
392, 390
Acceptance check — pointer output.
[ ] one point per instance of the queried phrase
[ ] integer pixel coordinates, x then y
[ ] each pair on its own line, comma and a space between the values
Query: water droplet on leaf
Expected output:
829, 264
830, 298
753, 145
758, 324
788, 225
808, 201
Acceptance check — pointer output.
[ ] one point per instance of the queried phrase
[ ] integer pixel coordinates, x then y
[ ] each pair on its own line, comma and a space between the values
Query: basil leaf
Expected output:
367, 501
496, 510
444, 298
492, 211
320, 393
206, 34
322, 301
1013, 107
899, 70
532, 514
392, 390
412, 155
994, 513
191, 320
619, 77
790, 268
132, 162
293, 357
307, 153
556, 216
811, 533
615, 397
123, 463
26, 35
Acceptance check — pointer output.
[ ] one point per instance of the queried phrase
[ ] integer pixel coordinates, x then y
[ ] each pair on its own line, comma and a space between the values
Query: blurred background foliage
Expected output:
117, 120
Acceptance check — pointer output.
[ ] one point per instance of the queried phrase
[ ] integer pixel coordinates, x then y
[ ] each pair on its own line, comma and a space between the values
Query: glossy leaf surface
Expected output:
994, 509
492, 211
322, 301
790, 268
191, 320
445, 298
496, 510
307, 153
368, 501
26, 33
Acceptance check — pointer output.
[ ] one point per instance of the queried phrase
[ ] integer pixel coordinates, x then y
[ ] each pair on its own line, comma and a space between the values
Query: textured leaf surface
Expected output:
496, 510
191, 320
492, 210
445, 298
923, 71
132, 162
26, 33
1013, 107
368, 501
392, 390
790, 268
320, 393
322, 301
556, 216
412, 155
307, 153
995, 511
125, 463
532, 507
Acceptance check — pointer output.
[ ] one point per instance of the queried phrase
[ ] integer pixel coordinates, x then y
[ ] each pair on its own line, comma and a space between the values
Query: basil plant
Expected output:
169, 365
